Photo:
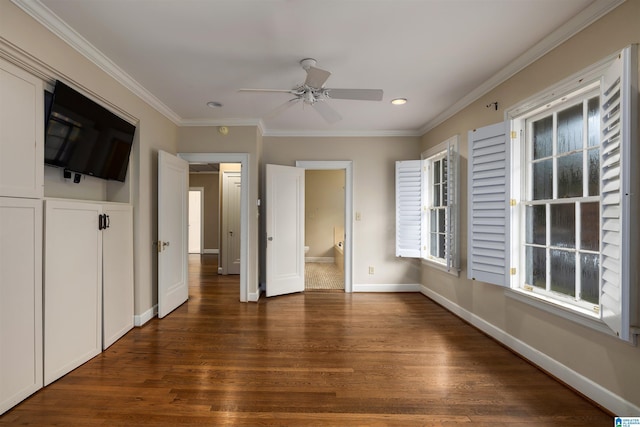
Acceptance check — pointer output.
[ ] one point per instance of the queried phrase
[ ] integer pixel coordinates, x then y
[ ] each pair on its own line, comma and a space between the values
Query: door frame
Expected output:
225, 259
243, 159
201, 191
347, 166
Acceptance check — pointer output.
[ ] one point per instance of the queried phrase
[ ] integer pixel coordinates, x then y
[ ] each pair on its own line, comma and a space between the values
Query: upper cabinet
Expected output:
21, 133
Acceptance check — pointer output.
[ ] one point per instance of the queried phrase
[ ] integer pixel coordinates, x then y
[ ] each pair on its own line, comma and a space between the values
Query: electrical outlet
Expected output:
370, 269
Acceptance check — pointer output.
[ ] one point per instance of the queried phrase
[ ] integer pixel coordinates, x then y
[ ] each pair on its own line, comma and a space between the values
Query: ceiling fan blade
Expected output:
316, 77
355, 94
327, 112
281, 108
266, 90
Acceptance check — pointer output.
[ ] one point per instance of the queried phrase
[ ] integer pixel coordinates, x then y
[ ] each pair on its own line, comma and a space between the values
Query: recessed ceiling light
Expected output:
399, 101
214, 104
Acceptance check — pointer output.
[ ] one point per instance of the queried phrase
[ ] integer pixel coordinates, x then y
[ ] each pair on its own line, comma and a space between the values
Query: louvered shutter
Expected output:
617, 113
488, 195
452, 255
408, 208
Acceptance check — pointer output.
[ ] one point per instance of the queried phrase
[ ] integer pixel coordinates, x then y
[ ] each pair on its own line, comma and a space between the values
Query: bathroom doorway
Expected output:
328, 207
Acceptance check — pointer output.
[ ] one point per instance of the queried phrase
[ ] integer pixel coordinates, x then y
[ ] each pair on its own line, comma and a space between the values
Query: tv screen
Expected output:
84, 137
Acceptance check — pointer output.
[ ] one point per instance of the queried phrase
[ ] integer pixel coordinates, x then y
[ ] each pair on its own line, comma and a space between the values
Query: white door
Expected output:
173, 188
285, 230
195, 224
231, 184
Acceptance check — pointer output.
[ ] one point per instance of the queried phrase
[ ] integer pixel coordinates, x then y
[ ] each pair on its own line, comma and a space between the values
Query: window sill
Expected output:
453, 271
543, 304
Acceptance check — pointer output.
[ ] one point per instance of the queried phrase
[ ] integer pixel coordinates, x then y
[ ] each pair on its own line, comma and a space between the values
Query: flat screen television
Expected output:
84, 137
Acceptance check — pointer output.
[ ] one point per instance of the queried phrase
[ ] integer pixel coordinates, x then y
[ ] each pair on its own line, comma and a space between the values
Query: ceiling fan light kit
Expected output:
312, 92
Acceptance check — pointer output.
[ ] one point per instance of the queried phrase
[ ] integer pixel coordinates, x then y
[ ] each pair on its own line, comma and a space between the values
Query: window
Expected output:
427, 207
567, 196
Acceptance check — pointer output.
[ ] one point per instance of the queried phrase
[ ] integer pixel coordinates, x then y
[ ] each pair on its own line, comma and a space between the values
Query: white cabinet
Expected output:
72, 286
75, 261
117, 273
20, 299
21, 133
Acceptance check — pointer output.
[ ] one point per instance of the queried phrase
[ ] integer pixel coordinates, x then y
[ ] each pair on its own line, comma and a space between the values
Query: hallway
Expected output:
305, 359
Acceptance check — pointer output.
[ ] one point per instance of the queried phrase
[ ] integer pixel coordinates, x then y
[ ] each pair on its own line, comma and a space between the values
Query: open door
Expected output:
285, 230
173, 192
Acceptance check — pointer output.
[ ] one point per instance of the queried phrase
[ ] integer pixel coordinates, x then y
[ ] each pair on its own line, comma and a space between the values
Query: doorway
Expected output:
243, 160
196, 214
347, 246
324, 229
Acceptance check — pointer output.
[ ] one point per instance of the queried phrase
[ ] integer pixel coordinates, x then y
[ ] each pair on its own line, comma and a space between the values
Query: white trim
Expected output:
254, 296
340, 133
579, 382
387, 287
243, 159
347, 165
141, 319
201, 191
454, 271
211, 251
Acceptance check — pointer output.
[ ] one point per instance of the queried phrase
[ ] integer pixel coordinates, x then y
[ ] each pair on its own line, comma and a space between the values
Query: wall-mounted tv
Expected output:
84, 137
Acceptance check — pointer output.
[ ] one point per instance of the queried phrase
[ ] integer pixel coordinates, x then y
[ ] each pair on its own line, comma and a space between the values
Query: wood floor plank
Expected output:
318, 359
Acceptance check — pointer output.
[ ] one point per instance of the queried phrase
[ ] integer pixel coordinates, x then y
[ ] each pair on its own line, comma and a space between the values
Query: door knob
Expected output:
270, 239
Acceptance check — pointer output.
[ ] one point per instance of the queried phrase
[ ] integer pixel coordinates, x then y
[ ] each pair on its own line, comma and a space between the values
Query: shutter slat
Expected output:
408, 208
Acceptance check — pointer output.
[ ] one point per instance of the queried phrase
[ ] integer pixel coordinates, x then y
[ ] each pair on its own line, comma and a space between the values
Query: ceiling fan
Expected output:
312, 92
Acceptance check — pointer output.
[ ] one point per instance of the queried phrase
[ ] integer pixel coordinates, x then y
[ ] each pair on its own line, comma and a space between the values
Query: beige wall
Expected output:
209, 181
373, 196
600, 358
324, 210
23, 38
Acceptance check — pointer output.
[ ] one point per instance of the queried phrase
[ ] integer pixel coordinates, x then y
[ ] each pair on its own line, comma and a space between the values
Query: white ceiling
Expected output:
439, 54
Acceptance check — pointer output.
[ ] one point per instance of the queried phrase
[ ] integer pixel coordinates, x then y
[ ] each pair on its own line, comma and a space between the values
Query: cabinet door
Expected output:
72, 286
20, 299
117, 273
21, 133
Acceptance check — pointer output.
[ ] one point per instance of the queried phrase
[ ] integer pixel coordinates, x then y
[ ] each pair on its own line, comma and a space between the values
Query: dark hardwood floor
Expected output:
305, 359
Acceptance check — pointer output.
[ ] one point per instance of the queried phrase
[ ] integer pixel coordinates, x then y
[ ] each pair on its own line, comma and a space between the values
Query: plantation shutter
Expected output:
617, 112
452, 244
408, 208
488, 196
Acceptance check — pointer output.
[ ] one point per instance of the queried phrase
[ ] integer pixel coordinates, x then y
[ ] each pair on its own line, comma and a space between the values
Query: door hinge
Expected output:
513, 271
513, 202
514, 134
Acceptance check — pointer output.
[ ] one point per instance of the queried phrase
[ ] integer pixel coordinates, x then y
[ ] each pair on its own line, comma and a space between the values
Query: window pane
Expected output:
563, 228
543, 138
543, 180
433, 221
433, 246
594, 172
570, 129
570, 175
536, 224
563, 272
593, 122
436, 195
536, 274
436, 172
441, 245
441, 220
589, 265
590, 226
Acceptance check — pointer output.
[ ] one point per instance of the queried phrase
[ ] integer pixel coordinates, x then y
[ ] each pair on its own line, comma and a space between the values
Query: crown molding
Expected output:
219, 122
53, 23
588, 16
339, 133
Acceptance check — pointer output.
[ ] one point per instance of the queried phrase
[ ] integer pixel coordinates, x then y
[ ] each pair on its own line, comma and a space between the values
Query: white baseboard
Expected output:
594, 391
253, 296
397, 287
211, 251
141, 319
324, 259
